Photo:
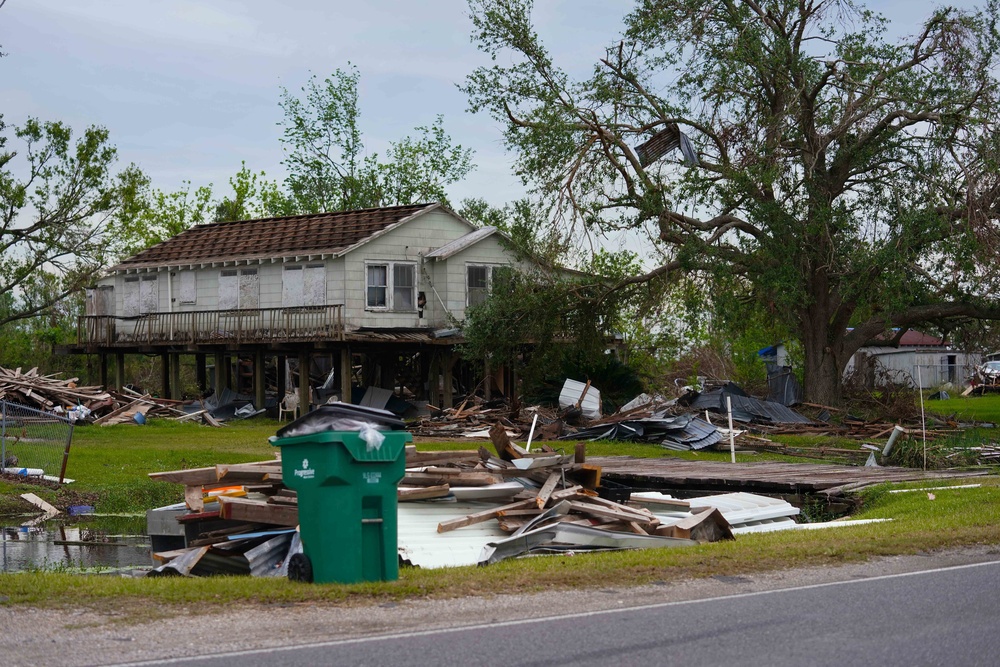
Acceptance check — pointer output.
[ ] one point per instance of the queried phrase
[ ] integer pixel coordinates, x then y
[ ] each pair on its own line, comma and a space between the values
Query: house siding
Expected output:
443, 282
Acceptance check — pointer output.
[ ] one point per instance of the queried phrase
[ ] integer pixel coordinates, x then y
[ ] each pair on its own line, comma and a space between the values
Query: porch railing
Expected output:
252, 325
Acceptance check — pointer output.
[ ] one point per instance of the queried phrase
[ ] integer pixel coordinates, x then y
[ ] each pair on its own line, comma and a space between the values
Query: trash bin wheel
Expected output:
300, 569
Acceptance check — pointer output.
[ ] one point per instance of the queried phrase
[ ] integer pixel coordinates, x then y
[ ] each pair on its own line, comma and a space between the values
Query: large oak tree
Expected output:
845, 179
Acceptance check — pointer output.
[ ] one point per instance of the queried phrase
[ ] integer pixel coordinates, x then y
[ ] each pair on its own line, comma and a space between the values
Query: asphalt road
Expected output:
945, 616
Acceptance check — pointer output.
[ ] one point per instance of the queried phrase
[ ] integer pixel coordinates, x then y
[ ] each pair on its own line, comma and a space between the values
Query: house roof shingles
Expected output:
314, 234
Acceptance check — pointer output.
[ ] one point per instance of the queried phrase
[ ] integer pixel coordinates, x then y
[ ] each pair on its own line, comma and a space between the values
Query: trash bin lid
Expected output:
324, 418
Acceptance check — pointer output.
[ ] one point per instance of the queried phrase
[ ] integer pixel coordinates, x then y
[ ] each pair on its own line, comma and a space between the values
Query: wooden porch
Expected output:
252, 325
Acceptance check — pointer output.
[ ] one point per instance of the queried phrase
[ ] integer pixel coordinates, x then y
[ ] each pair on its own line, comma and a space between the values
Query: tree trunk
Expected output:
823, 382
823, 366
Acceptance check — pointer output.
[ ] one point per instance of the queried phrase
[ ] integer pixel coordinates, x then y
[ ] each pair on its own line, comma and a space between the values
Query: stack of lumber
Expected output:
47, 391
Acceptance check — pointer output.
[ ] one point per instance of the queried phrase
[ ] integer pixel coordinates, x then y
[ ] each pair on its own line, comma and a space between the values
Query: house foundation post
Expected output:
102, 370
305, 402
448, 368
258, 379
164, 375
119, 370
346, 372
434, 382
221, 376
281, 367
487, 380
176, 390
201, 372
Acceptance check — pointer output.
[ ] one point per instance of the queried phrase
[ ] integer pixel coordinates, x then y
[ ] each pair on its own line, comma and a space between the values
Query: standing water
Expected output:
76, 548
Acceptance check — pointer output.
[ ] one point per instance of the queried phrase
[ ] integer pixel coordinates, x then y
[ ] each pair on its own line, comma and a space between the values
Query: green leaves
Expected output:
326, 160
57, 193
844, 178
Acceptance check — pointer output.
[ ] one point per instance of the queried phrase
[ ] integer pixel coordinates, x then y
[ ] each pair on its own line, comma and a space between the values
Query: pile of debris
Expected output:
455, 508
47, 392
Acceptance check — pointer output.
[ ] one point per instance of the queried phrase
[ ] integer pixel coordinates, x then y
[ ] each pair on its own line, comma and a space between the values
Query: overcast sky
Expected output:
189, 88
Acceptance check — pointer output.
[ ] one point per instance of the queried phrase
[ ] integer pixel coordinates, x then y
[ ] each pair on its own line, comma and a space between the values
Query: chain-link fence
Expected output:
32, 442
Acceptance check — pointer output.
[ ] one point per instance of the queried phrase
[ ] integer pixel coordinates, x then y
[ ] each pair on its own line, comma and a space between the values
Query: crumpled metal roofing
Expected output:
680, 432
748, 409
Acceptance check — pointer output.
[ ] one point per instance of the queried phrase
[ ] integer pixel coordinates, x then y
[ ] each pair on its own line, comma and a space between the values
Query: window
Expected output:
378, 286
403, 286
477, 284
130, 297
480, 279
104, 300
149, 294
189, 288
303, 286
391, 286
238, 289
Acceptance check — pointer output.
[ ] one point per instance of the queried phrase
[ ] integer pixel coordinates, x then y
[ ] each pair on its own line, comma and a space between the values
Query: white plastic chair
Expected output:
289, 405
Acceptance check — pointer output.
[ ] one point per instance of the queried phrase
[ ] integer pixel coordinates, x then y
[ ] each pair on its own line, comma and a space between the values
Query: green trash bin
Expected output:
347, 504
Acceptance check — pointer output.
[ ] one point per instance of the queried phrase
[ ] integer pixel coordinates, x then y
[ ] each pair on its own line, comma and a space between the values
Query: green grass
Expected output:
111, 467
984, 408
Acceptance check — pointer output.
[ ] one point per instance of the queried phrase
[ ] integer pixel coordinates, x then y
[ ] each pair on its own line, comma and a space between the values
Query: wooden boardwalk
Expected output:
758, 476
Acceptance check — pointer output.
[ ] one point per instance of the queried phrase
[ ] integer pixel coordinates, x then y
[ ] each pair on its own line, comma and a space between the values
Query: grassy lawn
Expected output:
111, 467
973, 408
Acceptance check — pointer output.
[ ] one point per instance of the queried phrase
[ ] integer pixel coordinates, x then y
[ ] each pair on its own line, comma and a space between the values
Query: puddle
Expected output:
81, 548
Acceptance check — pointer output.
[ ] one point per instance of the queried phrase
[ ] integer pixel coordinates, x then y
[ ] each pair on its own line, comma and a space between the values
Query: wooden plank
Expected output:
480, 517
241, 509
462, 479
190, 477
423, 458
247, 472
194, 498
505, 449
547, 488
530, 511
591, 509
422, 492
40, 504
707, 526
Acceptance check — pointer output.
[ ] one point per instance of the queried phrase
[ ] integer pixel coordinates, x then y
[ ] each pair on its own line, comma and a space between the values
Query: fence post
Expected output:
3, 436
69, 441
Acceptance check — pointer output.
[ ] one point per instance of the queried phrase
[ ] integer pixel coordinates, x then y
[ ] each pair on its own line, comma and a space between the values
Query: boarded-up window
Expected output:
403, 286
249, 289
188, 287
149, 294
239, 289
130, 297
229, 290
291, 286
314, 288
104, 300
303, 286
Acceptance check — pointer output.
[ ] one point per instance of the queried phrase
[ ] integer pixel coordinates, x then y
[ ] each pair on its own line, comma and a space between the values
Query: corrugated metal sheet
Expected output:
460, 244
748, 409
420, 544
745, 512
591, 403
